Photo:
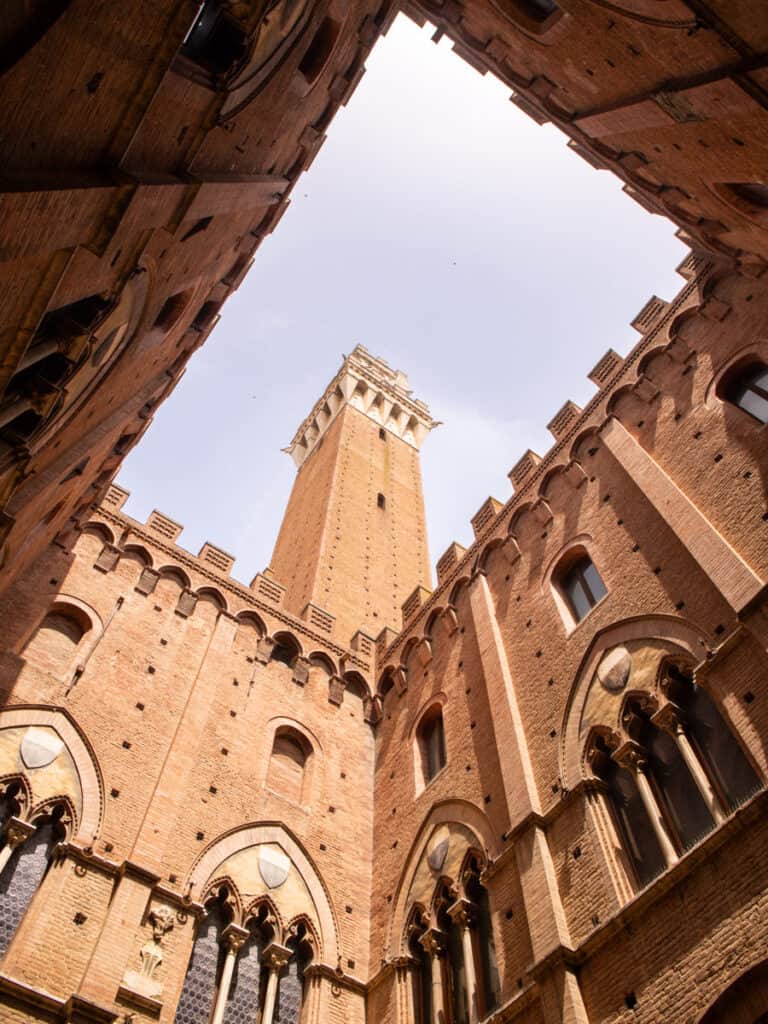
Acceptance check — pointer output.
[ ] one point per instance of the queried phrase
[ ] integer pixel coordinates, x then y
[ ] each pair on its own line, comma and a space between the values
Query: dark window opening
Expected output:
382, 434
316, 57
216, 41
197, 227
205, 315
172, 309
748, 389
538, 11
381, 501
431, 739
755, 193
638, 838
581, 586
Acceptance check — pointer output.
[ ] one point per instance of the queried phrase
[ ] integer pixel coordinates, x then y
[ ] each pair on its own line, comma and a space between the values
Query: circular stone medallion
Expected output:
613, 671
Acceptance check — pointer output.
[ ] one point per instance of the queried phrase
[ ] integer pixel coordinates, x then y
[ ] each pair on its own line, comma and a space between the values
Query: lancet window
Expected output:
454, 978
25, 856
244, 972
673, 774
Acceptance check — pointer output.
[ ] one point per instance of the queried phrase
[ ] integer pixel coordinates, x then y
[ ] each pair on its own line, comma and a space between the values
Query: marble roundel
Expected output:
437, 849
614, 668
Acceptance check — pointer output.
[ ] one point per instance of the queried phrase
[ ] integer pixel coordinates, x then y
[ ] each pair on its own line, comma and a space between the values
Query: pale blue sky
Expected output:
448, 233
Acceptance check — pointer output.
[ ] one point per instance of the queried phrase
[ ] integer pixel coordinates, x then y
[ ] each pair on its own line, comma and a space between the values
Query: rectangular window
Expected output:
381, 501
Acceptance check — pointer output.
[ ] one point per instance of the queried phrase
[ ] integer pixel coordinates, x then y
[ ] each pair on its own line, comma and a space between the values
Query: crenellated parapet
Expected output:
371, 386
629, 392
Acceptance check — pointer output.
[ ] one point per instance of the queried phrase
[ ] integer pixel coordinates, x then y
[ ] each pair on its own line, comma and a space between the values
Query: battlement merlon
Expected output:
370, 385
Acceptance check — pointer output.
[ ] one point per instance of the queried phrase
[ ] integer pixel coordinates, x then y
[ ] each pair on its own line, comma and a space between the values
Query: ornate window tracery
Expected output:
454, 976
25, 857
672, 774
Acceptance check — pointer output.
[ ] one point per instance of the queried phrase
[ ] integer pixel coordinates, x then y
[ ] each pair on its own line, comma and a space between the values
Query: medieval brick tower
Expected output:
353, 540
535, 793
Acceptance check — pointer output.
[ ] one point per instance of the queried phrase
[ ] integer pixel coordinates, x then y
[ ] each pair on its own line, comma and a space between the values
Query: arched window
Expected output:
733, 777
290, 992
216, 41
422, 975
457, 994
200, 982
687, 815
638, 838
23, 873
57, 638
285, 649
319, 50
430, 737
747, 388
579, 583
484, 948
288, 764
246, 993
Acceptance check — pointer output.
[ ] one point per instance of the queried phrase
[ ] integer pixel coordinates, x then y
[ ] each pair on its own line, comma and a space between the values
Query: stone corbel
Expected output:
301, 671
108, 558
645, 389
511, 549
187, 603
424, 653
372, 710
541, 512
450, 620
715, 309
574, 474
147, 581
336, 687
264, 650
679, 351
401, 679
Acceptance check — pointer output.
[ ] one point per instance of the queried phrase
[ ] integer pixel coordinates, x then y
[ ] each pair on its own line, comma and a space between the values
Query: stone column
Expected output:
16, 832
668, 718
275, 957
462, 912
232, 938
631, 756
405, 967
615, 857
433, 942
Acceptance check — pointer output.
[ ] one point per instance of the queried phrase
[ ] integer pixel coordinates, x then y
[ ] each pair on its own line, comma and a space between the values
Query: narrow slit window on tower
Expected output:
381, 501
382, 434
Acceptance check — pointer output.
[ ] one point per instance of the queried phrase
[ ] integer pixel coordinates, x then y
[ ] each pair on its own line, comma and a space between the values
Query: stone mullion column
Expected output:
433, 942
405, 968
727, 570
232, 938
313, 981
462, 913
668, 718
632, 757
275, 957
613, 849
17, 831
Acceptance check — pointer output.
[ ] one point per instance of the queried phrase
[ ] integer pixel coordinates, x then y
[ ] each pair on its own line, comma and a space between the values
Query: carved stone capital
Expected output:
433, 942
276, 956
632, 756
233, 937
668, 719
463, 913
17, 832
